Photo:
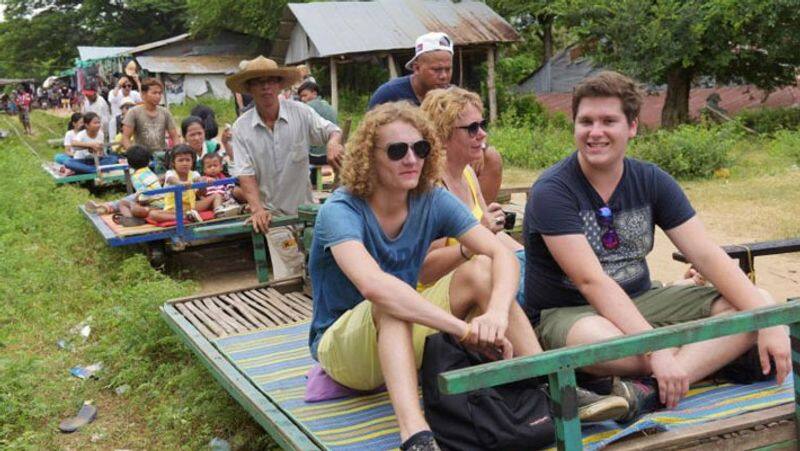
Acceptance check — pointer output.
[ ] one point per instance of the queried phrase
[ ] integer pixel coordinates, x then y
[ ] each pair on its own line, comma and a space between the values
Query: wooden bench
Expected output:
747, 253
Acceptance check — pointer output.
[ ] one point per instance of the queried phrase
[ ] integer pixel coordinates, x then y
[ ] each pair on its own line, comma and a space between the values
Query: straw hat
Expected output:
261, 67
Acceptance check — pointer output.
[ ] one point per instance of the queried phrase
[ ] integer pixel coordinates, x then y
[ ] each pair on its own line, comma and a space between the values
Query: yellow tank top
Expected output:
477, 211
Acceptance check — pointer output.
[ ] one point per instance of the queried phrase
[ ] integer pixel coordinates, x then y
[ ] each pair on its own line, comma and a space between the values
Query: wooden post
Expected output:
166, 102
334, 86
392, 67
460, 67
490, 85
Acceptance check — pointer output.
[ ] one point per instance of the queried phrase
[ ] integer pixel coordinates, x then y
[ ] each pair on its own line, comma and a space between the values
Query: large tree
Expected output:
40, 37
535, 16
255, 17
674, 42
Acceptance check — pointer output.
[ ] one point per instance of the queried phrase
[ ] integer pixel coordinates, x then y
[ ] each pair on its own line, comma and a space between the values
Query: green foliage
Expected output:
532, 147
39, 37
687, 152
770, 120
787, 143
256, 17
526, 111
667, 41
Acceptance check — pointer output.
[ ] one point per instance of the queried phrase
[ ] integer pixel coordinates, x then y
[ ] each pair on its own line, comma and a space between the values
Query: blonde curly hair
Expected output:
444, 106
358, 174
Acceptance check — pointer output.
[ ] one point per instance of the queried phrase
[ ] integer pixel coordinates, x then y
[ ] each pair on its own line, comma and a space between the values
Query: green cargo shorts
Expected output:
660, 306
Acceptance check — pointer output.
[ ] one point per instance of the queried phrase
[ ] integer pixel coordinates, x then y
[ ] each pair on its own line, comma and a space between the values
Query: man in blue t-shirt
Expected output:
370, 239
589, 225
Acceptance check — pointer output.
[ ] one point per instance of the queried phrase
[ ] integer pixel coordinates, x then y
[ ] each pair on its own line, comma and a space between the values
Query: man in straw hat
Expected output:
271, 142
432, 68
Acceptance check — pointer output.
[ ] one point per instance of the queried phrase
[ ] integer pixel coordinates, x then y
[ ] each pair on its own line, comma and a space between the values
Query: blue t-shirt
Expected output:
563, 202
393, 90
345, 217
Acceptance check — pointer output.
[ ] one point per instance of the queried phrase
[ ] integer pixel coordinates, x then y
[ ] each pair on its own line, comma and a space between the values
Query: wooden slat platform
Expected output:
241, 311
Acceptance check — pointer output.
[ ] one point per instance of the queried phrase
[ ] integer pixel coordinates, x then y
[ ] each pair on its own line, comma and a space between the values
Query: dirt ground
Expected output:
780, 274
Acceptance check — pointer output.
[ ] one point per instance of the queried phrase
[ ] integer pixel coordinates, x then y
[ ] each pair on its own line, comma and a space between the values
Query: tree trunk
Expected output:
546, 22
676, 103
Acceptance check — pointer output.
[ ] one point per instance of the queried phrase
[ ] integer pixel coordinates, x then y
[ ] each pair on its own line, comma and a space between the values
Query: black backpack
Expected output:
514, 416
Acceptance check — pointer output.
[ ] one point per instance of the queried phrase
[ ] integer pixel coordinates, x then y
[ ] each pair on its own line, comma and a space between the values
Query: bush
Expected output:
687, 152
770, 120
525, 111
530, 147
787, 143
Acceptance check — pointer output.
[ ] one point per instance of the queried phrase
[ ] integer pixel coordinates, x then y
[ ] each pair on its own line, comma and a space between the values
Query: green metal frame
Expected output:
560, 365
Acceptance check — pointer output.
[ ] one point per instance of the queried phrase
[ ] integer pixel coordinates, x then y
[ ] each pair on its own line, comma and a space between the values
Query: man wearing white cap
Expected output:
432, 68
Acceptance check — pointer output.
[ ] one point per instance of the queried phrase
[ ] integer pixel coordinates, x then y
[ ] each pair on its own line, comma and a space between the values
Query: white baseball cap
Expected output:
430, 42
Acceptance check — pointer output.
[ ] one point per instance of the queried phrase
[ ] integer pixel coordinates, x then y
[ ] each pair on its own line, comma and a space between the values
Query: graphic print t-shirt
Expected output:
563, 202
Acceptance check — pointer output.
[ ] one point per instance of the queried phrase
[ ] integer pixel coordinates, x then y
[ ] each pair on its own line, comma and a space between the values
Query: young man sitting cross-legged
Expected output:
589, 225
370, 239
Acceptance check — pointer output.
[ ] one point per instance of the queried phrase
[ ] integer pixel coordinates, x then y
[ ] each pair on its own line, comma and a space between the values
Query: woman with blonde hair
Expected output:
370, 239
457, 117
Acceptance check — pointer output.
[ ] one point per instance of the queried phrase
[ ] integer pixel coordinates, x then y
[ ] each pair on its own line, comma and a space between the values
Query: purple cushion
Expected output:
321, 387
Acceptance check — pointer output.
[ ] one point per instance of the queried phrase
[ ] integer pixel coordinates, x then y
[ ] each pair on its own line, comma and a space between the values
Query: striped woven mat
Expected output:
276, 360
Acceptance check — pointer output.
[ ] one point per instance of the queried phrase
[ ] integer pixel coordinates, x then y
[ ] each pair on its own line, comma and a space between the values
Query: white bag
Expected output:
284, 252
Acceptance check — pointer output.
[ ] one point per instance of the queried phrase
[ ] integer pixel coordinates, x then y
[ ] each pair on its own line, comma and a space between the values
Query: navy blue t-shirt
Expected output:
344, 217
563, 202
393, 90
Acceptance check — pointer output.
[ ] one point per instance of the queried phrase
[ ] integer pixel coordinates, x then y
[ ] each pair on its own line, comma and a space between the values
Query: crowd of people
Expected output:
412, 242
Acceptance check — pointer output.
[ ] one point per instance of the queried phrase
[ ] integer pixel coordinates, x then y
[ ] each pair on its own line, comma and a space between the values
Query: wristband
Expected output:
463, 254
466, 334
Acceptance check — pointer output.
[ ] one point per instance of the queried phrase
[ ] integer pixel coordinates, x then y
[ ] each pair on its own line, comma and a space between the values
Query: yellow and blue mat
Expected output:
276, 361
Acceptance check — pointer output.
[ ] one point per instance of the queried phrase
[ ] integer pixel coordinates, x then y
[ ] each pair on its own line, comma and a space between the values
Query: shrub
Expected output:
532, 148
770, 120
787, 143
687, 152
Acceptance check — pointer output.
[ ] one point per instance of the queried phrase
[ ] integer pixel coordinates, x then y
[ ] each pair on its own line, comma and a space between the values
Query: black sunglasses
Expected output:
473, 128
396, 151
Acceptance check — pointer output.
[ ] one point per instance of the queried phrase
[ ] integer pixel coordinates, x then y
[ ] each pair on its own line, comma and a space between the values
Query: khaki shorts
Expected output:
348, 350
660, 306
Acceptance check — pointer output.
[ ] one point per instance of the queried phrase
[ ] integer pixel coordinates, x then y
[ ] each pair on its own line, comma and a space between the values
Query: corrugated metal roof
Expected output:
88, 53
157, 44
339, 28
734, 99
191, 64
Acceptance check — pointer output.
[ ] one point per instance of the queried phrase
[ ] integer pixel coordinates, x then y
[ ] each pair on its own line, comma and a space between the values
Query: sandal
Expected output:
94, 208
86, 415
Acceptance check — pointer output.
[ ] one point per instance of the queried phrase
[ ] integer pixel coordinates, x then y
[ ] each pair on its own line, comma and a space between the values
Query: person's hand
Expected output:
335, 153
673, 381
227, 135
488, 329
502, 351
774, 342
494, 218
260, 219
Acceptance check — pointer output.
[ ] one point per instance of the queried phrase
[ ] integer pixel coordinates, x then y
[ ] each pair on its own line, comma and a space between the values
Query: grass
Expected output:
54, 273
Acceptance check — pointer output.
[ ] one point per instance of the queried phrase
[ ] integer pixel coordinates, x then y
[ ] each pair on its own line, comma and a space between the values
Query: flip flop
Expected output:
86, 415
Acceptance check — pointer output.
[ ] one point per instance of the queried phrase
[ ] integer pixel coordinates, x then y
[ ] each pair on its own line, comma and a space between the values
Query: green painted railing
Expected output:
560, 365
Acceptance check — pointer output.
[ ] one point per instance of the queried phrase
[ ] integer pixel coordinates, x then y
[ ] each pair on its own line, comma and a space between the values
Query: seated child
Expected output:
88, 143
74, 127
182, 172
230, 193
143, 179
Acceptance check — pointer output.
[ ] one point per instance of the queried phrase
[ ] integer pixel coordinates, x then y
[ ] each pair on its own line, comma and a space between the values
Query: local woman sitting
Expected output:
87, 144
74, 127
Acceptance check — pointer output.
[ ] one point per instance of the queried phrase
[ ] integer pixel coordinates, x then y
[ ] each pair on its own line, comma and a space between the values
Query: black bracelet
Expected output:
463, 254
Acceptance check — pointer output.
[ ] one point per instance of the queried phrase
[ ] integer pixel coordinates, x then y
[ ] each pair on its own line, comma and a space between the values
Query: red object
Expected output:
206, 215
